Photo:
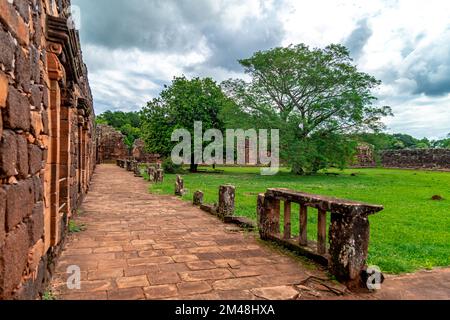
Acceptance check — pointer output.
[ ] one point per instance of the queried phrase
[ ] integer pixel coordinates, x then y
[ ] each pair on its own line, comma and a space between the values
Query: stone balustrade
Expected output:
349, 231
198, 198
155, 175
179, 186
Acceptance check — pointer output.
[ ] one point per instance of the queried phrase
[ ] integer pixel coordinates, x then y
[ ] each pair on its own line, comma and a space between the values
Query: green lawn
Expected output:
412, 233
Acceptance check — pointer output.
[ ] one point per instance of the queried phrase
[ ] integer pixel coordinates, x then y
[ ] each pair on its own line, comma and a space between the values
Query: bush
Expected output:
170, 167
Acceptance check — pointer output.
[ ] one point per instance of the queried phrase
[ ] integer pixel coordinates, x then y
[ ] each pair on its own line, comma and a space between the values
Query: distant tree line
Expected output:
398, 141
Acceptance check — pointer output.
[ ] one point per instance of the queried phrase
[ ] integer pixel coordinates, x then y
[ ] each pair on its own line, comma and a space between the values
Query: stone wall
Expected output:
47, 148
365, 156
436, 159
139, 154
110, 144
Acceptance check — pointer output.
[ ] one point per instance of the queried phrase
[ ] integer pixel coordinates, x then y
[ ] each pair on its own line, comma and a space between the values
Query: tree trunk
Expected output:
194, 168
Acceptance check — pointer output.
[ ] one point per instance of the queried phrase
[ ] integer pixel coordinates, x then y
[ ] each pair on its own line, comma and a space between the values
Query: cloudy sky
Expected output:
134, 47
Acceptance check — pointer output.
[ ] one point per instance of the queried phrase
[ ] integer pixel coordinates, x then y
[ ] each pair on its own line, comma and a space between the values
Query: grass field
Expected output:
412, 233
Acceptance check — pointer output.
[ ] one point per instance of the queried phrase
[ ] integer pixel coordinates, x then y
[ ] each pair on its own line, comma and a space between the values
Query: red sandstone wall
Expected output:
110, 144
47, 149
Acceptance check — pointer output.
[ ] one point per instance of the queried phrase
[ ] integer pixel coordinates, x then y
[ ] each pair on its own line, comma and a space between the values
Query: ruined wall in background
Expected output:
365, 156
110, 144
436, 159
47, 146
141, 155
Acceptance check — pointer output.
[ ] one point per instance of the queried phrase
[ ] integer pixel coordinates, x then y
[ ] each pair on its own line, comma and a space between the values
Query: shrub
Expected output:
170, 167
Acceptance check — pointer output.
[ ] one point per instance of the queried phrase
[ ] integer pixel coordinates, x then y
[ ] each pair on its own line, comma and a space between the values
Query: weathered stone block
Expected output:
261, 214
129, 165
349, 244
151, 173
45, 97
35, 158
45, 123
19, 202
179, 186
38, 189
7, 50
37, 127
35, 70
23, 68
37, 36
159, 176
36, 96
15, 256
2, 215
17, 110
198, 198
22, 156
3, 89
36, 223
23, 8
8, 154
226, 200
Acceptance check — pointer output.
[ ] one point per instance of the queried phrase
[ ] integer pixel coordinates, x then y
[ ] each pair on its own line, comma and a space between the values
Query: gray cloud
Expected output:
358, 38
432, 72
168, 26
134, 47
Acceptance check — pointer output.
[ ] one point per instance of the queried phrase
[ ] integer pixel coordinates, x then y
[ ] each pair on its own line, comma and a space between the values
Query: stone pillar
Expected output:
179, 186
129, 165
349, 243
137, 171
261, 214
226, 201
159, 176
268, 211
151, 173
198, 198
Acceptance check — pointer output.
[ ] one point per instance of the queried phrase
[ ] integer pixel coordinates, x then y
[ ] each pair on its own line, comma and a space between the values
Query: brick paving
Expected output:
140, 246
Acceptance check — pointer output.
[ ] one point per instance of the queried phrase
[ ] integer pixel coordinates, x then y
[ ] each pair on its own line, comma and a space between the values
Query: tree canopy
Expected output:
179, 106
316, 97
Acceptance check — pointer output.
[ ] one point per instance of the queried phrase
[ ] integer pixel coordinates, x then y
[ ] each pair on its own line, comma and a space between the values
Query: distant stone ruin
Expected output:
433, 159
139, 154
110, 144
365, 156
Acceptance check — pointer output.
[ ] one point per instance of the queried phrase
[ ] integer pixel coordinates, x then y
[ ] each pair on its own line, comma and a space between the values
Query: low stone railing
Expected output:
349, 231
156, 174
225, 208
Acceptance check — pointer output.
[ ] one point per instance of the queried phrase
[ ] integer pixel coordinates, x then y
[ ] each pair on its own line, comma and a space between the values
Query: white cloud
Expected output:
404, 43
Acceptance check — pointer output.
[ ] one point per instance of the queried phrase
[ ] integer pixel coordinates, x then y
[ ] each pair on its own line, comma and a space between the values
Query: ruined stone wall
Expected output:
436, 159
110, 144
139, 154
365, 156
47, 146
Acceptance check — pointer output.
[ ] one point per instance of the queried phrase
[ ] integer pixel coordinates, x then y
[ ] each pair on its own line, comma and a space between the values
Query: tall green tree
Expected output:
179, 106
316, 97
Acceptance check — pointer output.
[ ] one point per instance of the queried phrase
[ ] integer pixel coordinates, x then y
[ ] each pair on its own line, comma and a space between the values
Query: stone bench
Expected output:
348, 237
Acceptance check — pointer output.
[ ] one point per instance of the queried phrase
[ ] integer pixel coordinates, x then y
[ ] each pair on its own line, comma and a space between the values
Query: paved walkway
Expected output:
142, 246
